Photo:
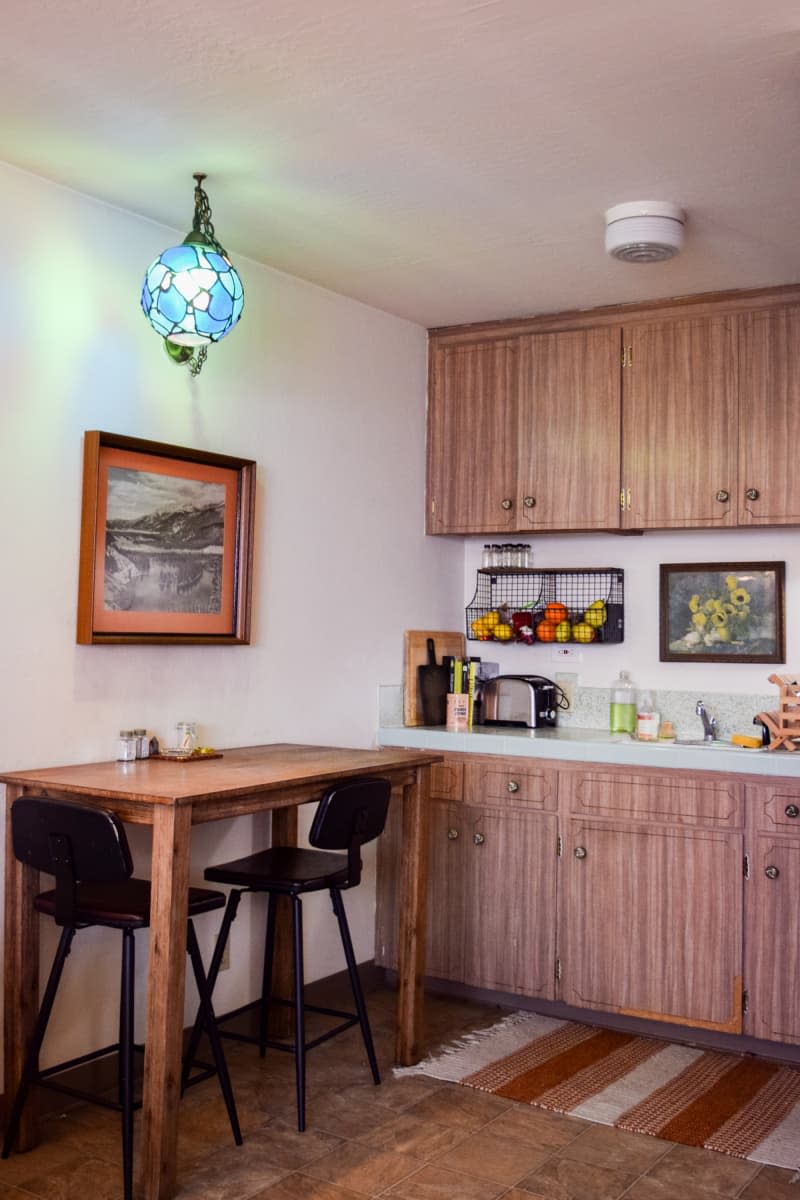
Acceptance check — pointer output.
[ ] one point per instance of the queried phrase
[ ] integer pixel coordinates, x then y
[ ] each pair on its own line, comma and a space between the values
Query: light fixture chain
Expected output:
202, 217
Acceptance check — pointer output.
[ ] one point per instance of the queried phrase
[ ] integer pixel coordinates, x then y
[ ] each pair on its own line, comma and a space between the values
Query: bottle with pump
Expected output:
647, 719
623, 705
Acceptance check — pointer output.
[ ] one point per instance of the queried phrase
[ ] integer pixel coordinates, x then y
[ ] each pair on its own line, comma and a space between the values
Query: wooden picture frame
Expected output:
166, 548
722, 612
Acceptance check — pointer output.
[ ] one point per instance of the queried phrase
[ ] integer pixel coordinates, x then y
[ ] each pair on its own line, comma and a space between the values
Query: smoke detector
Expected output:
644, 231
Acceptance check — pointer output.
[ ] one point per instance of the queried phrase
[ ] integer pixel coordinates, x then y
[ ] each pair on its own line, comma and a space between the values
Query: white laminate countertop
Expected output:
593, 745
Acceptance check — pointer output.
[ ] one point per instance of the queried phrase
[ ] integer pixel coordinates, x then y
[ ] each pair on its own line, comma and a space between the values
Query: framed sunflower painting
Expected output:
719, 612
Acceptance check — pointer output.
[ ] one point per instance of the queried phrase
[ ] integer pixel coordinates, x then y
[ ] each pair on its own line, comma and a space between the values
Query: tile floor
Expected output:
410, 1139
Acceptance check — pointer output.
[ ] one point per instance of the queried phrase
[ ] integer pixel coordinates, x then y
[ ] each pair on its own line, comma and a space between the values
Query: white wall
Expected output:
329, 397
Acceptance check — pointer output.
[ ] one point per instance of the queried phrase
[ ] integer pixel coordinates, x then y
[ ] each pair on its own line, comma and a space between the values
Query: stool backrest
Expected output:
350, 814
73, 842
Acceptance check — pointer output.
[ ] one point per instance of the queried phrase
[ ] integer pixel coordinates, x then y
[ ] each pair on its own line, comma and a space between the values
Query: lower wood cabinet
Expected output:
651, 922
772, 929
669, 895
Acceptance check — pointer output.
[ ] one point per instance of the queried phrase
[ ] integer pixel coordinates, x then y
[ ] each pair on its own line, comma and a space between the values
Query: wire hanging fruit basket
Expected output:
557, 605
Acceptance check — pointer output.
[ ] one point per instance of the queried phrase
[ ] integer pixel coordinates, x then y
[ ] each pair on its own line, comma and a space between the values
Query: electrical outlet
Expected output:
568, 683
559, 653
226, 957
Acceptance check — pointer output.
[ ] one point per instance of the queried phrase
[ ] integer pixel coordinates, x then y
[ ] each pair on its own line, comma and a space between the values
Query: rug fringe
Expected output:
469, 1053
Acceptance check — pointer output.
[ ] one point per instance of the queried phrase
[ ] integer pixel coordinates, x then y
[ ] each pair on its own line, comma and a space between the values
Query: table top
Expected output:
245, 771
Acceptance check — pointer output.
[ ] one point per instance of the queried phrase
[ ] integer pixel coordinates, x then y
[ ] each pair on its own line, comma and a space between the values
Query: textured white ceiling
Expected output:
444, 160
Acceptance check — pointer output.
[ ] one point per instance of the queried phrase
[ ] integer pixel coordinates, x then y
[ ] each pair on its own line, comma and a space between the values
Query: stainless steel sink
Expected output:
701, 744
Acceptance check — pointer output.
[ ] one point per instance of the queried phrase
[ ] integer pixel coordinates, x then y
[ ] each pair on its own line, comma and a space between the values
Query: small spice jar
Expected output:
126, 746
142, 743
186, 736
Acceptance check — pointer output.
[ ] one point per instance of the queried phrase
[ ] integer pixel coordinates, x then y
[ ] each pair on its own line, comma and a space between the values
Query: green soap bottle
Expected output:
623, 705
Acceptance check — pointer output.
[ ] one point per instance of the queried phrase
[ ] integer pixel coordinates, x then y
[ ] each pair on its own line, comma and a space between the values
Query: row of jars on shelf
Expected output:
507, 554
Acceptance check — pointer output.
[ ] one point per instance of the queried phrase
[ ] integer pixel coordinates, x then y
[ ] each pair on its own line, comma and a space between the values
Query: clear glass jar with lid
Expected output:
186, 736
126, 746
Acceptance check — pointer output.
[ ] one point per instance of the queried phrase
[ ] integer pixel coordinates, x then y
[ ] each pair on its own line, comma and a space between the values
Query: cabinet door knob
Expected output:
529, 501
478, 839
580, 852
506, 504
771, 872
752, 493
792, 810
452, 835
722, 496
513, 786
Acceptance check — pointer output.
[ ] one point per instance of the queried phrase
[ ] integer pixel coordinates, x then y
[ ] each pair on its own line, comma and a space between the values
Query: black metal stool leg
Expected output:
266, 978
126, 1058
213, 971
299, 1012
355, 982
209, 1021
31, 1066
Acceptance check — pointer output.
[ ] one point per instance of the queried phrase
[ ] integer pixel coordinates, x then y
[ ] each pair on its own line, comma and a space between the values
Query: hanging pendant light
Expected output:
192, 294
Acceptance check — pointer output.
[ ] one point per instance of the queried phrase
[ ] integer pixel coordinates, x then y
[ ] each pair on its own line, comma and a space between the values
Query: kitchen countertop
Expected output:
593, 745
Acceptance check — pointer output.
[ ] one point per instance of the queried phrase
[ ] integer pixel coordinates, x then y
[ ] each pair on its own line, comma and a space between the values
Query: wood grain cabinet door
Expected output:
472, 438
651, 922
447, 866
769, 414
773, 939
510, 901
679, 424
569, 414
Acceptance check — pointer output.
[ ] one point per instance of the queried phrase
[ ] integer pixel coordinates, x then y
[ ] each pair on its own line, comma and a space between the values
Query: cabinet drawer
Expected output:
774, 807
509, 781
672, 796
447, 779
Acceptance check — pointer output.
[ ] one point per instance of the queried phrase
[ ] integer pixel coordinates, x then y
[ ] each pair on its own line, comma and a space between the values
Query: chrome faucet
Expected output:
709, 723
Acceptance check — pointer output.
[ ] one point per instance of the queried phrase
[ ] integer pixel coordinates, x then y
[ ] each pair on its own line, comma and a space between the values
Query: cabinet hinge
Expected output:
559, 846
557, 971
745, 1002
433, 507
746, 866
627, 356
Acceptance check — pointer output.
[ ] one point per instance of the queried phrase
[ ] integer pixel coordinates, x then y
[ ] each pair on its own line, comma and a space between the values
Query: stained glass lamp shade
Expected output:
192, 294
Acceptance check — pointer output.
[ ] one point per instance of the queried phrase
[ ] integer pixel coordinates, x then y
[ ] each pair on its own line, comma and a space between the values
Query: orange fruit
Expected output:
546, 631
555, 611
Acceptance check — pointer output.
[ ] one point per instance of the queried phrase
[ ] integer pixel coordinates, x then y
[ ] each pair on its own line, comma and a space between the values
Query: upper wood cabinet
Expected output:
523, 434
569, 410
472, 438
679, 424
675, 415
769, 417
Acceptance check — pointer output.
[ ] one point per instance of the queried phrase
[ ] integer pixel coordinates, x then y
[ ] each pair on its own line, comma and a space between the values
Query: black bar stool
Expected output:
87, 851
349, 814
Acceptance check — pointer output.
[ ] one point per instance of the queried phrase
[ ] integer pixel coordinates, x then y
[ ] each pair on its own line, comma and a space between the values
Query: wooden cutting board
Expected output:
416, 655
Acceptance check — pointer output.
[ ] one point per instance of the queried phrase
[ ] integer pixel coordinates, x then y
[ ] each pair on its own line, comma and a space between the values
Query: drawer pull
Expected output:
752, 493
529, 501
506, 504
513, 786
722, 496
580, 852
792, 810
452, 835
478, 839
771, 872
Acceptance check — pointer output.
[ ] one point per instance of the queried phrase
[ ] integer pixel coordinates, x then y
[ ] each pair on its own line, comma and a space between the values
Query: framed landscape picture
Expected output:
166, 543
722, 612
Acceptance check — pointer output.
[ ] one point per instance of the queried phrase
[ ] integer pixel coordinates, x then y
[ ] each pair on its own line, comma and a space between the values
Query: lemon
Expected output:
479, 626
595, 617
502, 632
583, 632
491, 619
563, 631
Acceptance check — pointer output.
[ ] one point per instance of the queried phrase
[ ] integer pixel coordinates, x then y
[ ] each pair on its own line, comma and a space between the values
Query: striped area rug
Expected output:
736, 1105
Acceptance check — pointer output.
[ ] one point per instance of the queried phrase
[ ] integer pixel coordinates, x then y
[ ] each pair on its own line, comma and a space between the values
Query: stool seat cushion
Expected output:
124, 904
283, 869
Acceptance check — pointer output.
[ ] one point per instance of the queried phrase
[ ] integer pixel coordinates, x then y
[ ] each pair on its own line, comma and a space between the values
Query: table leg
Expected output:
281, 1025
413, 906
164, 1030
21, 979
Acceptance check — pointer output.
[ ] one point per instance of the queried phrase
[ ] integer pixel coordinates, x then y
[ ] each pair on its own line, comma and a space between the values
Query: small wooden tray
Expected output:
188, 758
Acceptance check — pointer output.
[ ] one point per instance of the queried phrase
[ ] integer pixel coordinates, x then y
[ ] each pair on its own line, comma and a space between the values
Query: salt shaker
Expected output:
126, 746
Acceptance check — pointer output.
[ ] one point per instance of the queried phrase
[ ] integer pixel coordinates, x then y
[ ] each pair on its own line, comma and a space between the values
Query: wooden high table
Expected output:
171, 797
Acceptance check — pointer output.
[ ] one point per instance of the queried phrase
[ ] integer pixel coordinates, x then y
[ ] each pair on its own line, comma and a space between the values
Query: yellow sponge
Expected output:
744, 739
